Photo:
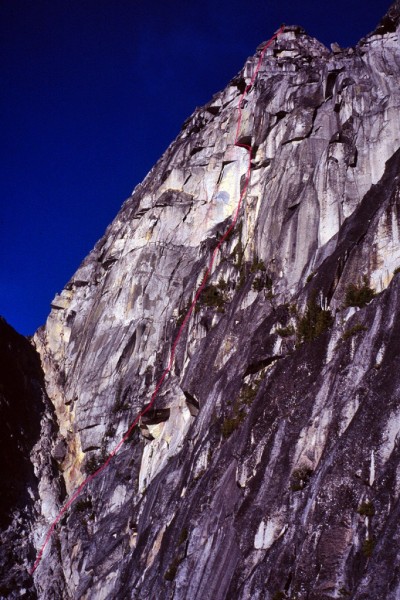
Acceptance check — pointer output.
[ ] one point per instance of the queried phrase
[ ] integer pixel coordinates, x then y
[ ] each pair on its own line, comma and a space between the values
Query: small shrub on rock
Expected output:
262, 282
212, 297
286, 331
182, 313
368, 547
222, 284
279, 596
230, 424
300, 478
357, 328
257, 265
248, 392
314, 322
83, 505
310, 277
94, 462
366, 509
359, 295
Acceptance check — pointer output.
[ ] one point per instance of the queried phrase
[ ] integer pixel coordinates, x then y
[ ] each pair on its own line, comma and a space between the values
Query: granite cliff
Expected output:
269, 466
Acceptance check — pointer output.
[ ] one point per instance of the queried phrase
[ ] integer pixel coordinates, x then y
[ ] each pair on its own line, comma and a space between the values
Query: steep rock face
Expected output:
270, 463
26, 423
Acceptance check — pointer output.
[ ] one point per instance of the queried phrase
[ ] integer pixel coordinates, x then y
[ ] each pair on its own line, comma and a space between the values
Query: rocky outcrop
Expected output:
26, 430
391, 20
268, 466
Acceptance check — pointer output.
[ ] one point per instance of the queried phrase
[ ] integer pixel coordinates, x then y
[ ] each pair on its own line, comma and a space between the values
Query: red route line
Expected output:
186, 319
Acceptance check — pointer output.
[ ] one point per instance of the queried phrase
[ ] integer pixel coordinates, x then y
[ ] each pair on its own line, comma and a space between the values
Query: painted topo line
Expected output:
207, 274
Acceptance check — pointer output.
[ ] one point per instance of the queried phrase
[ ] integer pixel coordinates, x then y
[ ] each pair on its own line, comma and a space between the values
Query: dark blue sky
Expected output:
92, 92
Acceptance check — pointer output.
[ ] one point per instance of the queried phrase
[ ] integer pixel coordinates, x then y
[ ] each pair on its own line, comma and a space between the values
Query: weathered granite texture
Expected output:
270, 468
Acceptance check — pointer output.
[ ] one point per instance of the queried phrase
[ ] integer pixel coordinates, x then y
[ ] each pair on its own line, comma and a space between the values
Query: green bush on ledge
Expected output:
359, 296
314, 322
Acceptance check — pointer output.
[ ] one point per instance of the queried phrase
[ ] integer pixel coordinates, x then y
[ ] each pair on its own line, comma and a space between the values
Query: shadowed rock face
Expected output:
391, 20
21, 410
269, 466
23, 420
